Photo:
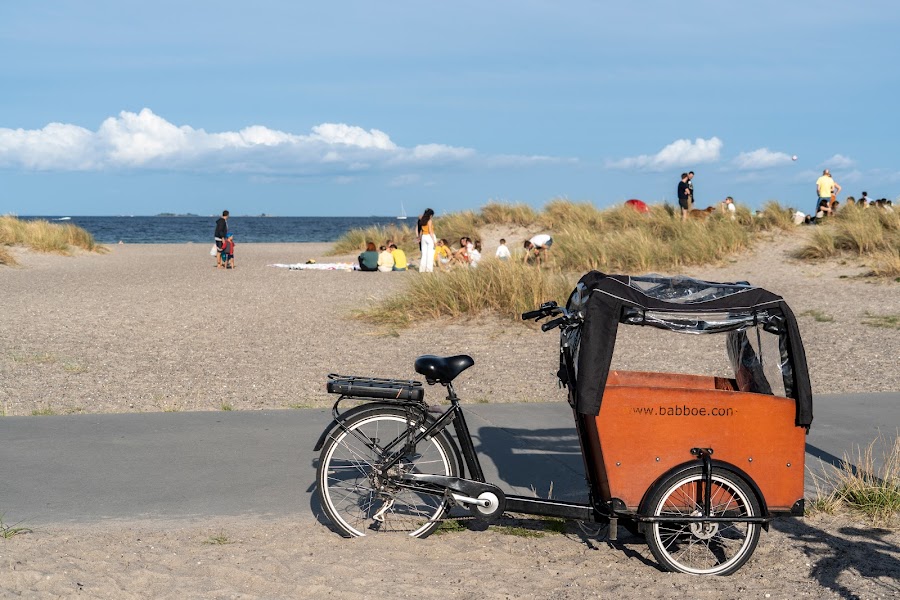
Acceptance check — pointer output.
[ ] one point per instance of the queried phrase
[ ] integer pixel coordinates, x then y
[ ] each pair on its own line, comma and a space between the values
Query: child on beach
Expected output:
443, 254
475, 254
226, 259
503, 252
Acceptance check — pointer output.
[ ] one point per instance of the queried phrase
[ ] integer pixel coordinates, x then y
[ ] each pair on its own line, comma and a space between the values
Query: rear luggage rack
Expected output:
371, 387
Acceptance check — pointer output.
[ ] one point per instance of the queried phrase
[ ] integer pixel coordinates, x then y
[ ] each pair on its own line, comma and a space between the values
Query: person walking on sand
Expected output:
427, 241
826, 187
226, 257
219, 235
684, 196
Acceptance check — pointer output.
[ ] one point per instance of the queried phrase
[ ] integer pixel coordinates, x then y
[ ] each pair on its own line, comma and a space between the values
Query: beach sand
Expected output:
157, 328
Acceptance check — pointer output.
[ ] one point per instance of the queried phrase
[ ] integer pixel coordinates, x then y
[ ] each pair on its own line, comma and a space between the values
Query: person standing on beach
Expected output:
825, 188
219, 235
427, 241
690, 183
684, 196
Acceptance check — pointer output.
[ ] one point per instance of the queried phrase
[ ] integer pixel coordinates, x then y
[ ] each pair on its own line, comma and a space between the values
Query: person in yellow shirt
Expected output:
442, 254
826, 189
399, 258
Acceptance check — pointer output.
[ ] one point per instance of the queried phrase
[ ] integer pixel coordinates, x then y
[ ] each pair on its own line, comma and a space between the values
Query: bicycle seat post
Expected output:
451, 394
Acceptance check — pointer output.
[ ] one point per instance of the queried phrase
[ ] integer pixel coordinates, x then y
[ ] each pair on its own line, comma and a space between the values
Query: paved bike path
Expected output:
84, 468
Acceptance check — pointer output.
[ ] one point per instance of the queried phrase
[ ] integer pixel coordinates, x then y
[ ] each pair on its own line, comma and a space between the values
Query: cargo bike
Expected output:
698, 464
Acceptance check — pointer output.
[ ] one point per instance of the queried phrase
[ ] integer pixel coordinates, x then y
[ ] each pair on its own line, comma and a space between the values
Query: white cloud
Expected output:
839, 161
763, 158
145, 140
680, 153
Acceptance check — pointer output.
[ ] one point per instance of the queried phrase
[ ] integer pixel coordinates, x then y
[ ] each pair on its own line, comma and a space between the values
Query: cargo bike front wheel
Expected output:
360, 498
698, 547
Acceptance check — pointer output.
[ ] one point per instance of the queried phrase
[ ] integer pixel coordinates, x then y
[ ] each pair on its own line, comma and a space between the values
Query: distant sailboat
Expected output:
402, 216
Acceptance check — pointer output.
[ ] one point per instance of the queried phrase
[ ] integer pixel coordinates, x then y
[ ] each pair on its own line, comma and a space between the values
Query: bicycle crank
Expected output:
486, 501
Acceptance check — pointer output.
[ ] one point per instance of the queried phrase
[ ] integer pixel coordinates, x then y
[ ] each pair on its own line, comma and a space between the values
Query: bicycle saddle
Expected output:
439, 369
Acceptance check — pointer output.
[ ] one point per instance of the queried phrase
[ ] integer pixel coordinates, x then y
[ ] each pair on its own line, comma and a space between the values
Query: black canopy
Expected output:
678, 304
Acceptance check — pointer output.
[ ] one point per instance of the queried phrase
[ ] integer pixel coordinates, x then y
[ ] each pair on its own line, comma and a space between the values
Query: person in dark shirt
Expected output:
691, 197
684, 196
368, 260
220, 234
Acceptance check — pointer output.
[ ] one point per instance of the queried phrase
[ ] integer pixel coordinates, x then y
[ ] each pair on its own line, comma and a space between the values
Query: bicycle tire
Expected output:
703, 548
351, 491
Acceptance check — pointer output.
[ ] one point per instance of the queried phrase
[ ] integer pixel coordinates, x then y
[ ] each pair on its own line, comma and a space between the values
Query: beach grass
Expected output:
869, 233
9, 531
355, 239
501, 213
618, 239
43, 236
862, 488
504, 288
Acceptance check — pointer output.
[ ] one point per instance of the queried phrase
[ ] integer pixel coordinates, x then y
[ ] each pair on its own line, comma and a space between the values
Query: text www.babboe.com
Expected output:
683, 411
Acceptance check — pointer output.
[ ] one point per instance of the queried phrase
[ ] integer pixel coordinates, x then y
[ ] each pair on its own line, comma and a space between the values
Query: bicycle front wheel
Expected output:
359, 499
699, 548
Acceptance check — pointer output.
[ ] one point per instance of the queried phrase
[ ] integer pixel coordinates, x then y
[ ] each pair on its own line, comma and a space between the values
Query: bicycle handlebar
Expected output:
551, 308
545, 310
553, 324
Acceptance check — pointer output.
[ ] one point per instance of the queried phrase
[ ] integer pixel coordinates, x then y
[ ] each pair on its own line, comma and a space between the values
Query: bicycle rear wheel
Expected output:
355, 495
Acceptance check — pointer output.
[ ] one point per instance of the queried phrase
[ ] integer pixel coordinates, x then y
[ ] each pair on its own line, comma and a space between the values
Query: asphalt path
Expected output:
88, 468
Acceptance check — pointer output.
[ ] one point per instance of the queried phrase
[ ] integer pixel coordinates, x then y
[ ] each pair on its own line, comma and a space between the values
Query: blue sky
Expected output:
352, 108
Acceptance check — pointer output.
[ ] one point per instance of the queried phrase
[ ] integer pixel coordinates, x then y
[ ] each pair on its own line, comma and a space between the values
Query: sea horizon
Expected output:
175, 229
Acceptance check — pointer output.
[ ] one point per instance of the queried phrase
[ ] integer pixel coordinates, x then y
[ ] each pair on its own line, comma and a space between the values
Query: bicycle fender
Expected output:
344, 417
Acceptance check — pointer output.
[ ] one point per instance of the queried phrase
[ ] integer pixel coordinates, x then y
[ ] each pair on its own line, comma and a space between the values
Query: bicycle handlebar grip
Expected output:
552, 324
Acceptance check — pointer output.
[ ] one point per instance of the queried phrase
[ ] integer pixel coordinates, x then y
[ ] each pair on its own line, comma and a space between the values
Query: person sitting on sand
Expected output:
729, 208
461, 256
539, 245
385, 260
399, 257
368, 260
475, 254
443, 255
226, 257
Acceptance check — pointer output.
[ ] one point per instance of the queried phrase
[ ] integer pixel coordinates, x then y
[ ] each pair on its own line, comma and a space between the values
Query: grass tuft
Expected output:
504, 288
8, 531
818, 315
217, 540
883, 321
864, 489
43, 236
870, 233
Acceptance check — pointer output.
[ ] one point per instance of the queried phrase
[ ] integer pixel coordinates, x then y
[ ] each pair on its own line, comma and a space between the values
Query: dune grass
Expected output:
499, 213
617, 239
452, 226
42, 236
863, 488
504, 288
871, 233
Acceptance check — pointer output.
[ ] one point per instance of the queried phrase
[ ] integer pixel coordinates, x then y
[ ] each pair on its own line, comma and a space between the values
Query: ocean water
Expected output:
174, 230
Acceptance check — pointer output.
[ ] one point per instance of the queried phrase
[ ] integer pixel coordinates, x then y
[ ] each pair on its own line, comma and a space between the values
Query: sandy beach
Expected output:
149, 328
